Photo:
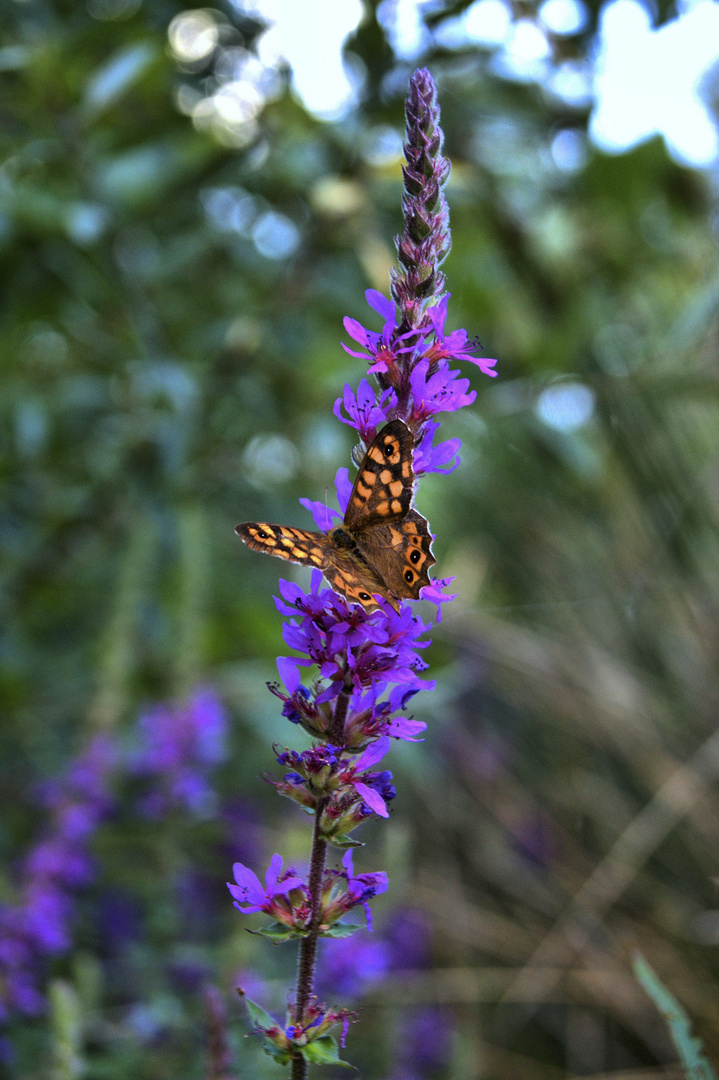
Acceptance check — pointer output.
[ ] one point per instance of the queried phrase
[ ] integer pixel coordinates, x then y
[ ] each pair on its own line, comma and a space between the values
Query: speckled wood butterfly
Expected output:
382, 547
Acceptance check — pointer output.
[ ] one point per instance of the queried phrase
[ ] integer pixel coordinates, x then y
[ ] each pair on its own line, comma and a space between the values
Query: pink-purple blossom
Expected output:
365, 411
454, 346
274, 899
383, 349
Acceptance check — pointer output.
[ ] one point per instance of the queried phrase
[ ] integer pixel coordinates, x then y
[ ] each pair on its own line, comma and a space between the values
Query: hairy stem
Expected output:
308, 946
337, 728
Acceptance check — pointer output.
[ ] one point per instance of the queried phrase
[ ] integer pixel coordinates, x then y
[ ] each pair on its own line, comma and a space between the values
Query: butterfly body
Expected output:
383, 547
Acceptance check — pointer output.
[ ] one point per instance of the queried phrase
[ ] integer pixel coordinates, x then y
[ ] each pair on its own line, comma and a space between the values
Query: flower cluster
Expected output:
176, 748
343, 788
286, 897
305, 1033
420, 381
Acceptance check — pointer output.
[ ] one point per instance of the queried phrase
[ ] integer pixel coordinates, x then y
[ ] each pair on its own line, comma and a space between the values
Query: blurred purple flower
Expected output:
180, 746
352, 966
37, 926
424, 1042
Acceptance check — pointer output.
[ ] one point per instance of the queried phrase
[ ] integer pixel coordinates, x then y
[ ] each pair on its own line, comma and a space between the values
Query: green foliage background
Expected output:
563, 810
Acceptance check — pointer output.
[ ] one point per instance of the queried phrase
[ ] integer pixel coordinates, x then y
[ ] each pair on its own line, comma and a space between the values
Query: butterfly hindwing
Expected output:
295, 545
401, 553
355, 579
384, 485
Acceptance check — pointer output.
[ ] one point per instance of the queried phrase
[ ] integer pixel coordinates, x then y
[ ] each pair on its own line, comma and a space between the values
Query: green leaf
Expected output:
324, 1052
342, 929
689, 1048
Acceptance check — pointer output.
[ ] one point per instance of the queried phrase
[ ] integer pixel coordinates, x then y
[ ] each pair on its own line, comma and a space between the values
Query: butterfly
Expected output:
383, 547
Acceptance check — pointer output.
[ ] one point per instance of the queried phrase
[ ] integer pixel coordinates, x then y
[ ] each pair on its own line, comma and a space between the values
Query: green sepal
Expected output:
262, 1021
277, 932
281, 1056
259, 1017
342, 929
343, 841
323, 1051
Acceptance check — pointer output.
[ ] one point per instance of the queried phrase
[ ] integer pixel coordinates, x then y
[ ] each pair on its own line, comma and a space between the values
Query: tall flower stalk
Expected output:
355, 671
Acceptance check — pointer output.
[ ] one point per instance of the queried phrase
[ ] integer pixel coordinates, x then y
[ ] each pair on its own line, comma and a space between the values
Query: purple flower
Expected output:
383, 349
442, 458
316, 1022
325, 517
441, 391
373, 788
368, 717
455, 346
364, 411
435, 593
359, 890
275, 899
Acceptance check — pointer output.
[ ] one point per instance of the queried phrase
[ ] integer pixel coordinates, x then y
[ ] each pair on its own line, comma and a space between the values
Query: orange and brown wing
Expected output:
401, 553
384, 486
354, 579
294, 545
343, 571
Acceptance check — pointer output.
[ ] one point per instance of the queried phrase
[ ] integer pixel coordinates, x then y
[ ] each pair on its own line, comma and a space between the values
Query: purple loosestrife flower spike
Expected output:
365, 661
426, 239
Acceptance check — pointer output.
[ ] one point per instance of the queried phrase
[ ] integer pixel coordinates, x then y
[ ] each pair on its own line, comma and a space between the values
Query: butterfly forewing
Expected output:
384, 486
295, 545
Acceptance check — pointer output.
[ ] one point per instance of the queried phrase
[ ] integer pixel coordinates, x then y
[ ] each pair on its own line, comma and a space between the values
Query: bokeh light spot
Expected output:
270, 459
563, 16
565, 406
275, 236
569, 150
193, 35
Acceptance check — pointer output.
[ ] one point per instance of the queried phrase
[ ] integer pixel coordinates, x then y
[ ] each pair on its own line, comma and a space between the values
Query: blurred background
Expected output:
190, 202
